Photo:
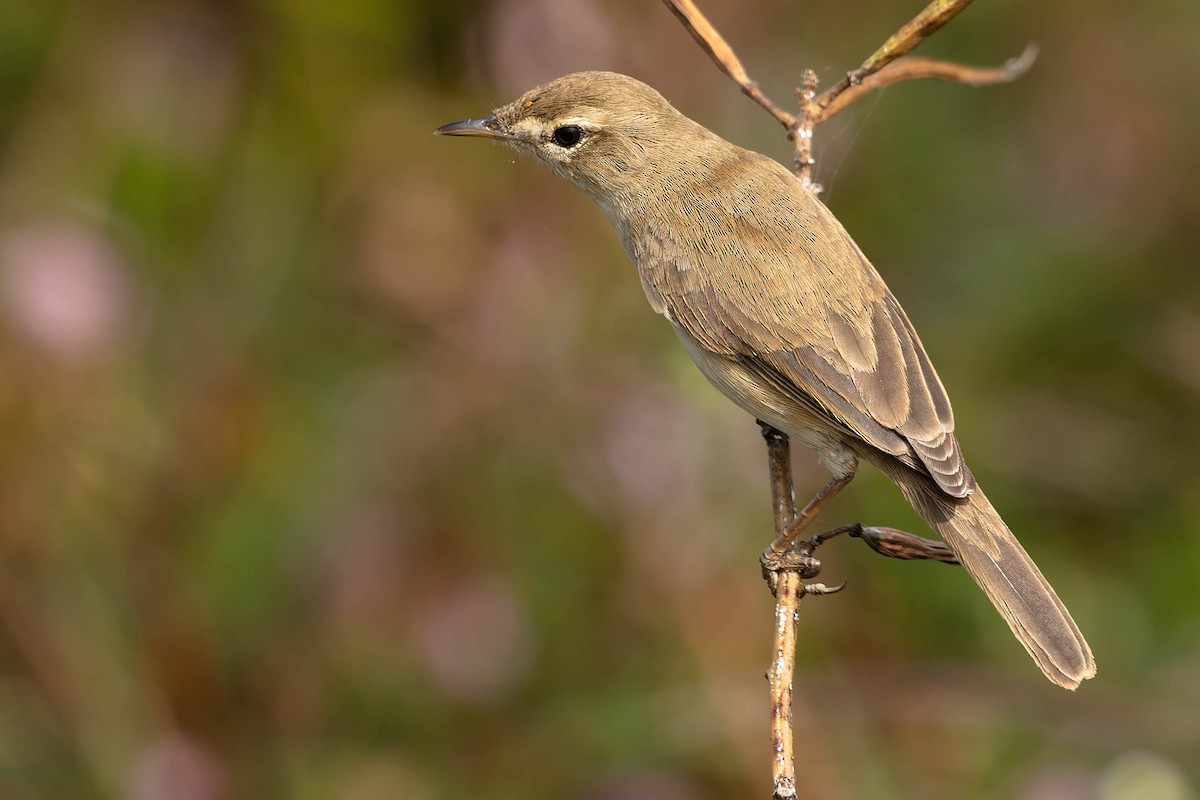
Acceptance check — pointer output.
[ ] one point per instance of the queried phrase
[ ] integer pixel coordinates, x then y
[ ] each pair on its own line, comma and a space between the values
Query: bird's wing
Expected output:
781, 288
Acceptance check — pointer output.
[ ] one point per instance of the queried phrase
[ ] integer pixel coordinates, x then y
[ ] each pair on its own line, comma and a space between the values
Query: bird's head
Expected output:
600, 130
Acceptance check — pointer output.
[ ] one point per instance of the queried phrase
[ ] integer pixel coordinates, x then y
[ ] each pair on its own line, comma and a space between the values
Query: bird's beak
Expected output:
486, 127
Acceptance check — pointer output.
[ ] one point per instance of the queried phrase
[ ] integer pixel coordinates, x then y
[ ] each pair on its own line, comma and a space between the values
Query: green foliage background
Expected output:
337, 460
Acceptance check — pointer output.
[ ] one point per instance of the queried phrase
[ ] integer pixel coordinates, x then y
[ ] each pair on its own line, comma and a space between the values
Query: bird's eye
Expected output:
567, 135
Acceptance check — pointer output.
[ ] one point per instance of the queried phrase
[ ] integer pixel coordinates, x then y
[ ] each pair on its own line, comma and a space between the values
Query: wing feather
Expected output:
781, 288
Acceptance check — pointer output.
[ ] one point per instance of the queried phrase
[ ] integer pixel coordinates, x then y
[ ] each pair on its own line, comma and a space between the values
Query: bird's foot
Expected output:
799, 561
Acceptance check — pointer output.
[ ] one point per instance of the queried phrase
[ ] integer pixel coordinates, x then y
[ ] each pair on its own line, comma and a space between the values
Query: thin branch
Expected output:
788, 591
913, 68
900, 43
719, 50
785, 568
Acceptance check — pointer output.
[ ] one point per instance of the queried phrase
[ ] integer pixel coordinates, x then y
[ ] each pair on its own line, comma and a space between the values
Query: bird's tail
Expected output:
1002, 568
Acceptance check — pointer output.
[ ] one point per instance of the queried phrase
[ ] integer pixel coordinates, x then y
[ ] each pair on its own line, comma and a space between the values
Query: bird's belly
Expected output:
772, 406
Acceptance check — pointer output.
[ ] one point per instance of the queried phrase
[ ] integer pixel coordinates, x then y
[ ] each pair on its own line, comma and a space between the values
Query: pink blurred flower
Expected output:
64, 289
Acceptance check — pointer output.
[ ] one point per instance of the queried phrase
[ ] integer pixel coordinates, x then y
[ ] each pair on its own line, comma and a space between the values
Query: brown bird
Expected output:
783, 314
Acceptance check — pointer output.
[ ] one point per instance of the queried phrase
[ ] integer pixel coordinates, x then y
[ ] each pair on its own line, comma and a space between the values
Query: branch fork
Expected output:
885, 66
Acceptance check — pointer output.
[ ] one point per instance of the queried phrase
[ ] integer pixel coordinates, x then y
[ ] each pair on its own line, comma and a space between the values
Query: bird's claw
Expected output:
820, 588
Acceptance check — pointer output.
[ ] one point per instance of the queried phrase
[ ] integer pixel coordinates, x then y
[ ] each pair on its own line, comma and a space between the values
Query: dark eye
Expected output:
567, 135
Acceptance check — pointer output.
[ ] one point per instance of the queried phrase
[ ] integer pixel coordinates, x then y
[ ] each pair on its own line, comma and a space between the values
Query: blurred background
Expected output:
340, 461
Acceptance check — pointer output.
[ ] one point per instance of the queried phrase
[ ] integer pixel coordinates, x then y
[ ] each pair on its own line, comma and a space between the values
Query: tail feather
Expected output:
1002, 568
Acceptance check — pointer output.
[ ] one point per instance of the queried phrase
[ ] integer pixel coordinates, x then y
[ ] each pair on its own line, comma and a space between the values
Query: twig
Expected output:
900, 43
787, 606
719, 50
788, 592
786, 567
912, 68
884, 67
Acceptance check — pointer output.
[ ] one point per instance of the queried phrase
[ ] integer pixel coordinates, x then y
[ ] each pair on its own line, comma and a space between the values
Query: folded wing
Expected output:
785, 291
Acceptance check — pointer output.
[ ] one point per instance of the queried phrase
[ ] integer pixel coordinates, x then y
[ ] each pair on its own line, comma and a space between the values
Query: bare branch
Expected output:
913, 68
900, 43
788, 590
719, 50
917, 30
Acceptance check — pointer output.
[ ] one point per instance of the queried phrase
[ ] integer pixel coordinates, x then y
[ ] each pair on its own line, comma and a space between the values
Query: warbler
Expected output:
783, 313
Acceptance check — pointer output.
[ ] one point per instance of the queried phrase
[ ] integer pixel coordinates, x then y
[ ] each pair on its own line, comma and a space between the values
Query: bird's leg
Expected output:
890, 542
783, 555
786, 553
779, 459
814, 507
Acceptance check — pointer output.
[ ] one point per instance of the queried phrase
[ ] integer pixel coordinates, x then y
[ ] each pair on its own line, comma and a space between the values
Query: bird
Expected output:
783, 314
